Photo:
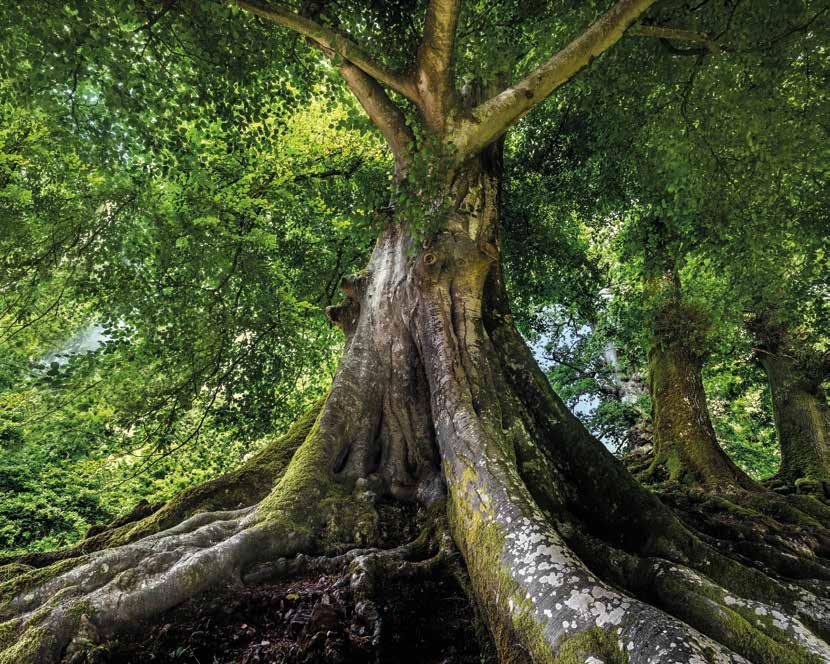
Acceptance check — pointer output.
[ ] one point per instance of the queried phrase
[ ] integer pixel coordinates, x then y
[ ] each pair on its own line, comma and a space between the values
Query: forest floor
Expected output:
310, 620
315, 619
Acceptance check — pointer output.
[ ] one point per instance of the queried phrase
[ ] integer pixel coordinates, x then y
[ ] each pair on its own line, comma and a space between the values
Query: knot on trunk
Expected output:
345, 314
454, 255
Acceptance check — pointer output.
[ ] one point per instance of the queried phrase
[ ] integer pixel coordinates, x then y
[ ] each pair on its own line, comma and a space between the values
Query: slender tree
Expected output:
438, 398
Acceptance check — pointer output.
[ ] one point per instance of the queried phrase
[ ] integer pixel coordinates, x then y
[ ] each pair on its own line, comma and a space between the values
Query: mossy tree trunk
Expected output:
686, 449
802, 420
438, 400
796, 372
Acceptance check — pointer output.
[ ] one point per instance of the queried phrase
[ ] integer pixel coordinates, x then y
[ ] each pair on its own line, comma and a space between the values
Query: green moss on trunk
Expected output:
686, 449
595, 642
802, 420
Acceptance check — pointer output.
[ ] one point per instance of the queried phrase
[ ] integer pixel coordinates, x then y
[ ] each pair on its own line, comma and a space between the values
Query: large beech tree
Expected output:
438, 400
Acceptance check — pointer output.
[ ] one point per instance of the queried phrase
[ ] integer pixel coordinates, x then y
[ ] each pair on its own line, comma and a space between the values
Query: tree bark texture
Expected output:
802, 421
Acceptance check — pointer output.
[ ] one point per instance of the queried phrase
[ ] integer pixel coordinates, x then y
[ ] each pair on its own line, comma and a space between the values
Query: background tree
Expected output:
703, 157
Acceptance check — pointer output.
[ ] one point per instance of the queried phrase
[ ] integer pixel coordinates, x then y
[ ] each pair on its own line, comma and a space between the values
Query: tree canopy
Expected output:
196, 188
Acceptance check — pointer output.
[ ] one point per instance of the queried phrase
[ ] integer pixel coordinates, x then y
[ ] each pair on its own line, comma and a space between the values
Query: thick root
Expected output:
47, 610
111, 589
763, 632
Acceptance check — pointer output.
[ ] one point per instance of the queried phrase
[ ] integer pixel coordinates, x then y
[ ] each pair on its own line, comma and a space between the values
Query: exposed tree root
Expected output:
755, 629
57, 608
369, 571
768, 528
816, 488
306, 611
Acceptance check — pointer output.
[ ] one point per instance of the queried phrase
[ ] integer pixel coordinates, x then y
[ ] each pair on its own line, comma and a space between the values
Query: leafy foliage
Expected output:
197, 230
693, 178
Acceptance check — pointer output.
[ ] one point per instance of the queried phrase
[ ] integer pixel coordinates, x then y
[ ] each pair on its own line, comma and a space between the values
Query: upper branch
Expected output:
493, 117
383, 113
661, 32
435, 59
332, 40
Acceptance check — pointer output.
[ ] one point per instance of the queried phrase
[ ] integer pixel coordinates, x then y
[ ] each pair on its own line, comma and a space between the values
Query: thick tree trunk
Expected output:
438, 400
686, 449
802, 421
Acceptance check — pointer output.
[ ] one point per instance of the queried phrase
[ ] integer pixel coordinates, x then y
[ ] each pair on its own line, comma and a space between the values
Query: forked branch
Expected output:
493, 117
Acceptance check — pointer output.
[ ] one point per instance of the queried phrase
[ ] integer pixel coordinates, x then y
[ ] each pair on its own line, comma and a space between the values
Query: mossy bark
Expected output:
686, 449
802, 422
797, 371
437, 397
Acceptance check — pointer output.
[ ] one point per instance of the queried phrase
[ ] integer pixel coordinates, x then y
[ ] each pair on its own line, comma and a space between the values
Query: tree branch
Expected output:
382, 111
435, 60
493, 117
332, 40
674, 34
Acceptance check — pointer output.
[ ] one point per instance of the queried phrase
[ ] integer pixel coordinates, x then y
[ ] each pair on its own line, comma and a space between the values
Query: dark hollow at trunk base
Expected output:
316, 616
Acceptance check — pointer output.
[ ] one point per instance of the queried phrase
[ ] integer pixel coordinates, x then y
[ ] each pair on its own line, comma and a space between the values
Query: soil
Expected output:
312, 620
317, 620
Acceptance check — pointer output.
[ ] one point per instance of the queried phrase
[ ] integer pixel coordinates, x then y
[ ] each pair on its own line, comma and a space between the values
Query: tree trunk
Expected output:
438, 400
686, 449
802, 420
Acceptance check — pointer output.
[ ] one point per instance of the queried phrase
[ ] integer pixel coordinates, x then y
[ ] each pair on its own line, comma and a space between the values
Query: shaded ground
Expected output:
311, 620
316, 619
